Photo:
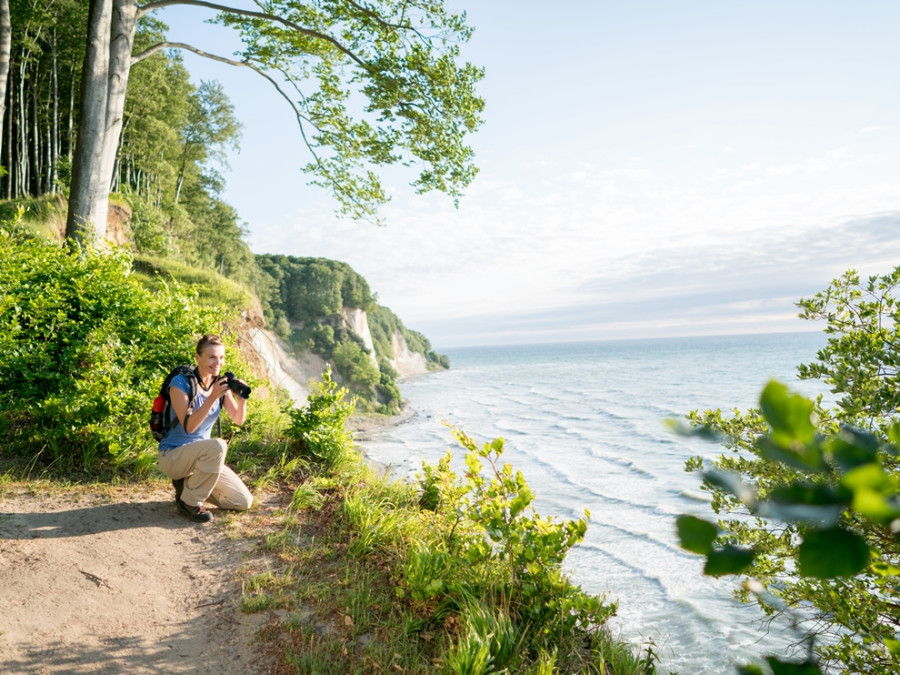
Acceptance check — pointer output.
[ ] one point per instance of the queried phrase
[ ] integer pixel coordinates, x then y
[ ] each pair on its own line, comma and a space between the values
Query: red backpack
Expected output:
162, 418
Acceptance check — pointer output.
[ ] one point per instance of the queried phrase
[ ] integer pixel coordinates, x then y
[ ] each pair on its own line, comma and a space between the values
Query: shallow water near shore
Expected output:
585, 423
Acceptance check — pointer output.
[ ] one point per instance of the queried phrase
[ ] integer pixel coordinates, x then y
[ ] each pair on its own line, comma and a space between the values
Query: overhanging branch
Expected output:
150, 51
158, 4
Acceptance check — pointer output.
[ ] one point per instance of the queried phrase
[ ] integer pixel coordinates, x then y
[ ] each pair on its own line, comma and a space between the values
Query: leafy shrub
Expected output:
355, 366
83, 346
318, 429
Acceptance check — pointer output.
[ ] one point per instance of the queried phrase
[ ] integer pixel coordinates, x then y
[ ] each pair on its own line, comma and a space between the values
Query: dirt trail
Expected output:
119, 583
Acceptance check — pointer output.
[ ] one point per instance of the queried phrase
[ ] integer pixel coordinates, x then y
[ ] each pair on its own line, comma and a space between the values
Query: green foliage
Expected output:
499, 564
314, 288
311, 294
534, 547
400, 59
355, 365
82, 346
318, 429
861, 360
820, 487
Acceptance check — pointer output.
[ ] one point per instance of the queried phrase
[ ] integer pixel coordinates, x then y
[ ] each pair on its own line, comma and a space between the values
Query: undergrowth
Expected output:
451, 574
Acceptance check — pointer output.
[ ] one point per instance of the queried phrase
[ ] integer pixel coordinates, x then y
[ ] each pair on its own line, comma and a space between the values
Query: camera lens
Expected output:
241, 390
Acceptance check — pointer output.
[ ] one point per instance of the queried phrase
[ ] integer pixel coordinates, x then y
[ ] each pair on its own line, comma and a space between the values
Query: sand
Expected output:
119, 582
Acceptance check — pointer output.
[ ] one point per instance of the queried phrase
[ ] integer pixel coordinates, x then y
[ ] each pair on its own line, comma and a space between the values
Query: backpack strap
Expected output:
191, 377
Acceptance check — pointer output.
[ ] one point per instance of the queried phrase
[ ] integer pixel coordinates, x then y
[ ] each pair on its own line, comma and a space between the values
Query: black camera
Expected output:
237, 387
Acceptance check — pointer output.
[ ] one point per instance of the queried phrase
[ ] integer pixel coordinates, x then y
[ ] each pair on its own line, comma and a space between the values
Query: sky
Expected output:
647, 169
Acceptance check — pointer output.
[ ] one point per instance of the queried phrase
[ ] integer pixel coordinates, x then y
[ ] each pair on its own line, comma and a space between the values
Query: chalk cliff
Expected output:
275, 361
405, 361
358, 321
295, 373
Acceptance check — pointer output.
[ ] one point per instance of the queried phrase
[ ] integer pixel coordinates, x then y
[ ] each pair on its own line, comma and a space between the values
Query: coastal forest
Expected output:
118, 248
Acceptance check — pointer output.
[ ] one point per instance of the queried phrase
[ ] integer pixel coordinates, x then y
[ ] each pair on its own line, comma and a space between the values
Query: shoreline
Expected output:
366, 423
363, 425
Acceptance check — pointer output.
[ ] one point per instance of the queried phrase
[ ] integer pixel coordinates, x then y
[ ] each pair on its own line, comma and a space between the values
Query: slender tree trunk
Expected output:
54, 120
22, 151
9, 135
5, 47
37, 170
70, 143
124, 21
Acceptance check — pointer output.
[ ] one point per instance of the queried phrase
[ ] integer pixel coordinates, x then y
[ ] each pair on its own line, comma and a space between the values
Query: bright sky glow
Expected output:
647, 169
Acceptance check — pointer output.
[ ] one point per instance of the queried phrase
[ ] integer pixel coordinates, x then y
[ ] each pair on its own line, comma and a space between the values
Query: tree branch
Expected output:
246, 64
385, 24
158, 4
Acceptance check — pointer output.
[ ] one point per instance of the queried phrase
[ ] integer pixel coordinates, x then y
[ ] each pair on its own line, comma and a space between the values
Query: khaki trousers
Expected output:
202, 465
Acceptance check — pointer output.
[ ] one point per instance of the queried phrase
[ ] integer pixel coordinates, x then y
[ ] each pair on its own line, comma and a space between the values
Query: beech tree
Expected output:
399, 58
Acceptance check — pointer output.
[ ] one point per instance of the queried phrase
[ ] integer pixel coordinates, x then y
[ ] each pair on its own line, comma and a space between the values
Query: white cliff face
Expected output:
358, 321
406, 362
282, 368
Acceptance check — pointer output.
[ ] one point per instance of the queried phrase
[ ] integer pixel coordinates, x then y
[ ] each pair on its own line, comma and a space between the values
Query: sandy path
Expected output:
119, 583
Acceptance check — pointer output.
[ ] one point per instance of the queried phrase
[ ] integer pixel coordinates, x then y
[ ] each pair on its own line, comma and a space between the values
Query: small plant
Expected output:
319, 428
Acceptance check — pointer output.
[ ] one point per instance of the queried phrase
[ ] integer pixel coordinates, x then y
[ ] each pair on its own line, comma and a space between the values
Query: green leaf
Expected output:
780, 667
893, 646
803, 458
731, 482
872, 477
789, 415
751, 669
702, 431
804, 502
729, 560
695, 534
826, 554
852, 448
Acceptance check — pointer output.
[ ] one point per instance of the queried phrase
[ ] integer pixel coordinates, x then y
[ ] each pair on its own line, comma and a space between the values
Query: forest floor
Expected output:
112, 579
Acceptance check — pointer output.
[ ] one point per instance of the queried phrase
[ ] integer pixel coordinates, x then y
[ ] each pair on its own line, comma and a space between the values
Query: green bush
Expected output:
318, 429
355, 366
83, 347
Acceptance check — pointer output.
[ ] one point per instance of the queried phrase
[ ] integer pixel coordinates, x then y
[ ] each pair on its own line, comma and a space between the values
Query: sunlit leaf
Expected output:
876, 506
789, 415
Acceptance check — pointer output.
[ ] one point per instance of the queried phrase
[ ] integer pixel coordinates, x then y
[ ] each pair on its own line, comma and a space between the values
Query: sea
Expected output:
586, 423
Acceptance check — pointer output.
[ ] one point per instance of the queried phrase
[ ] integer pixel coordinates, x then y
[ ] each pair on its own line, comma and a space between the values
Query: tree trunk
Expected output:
124, 21
5, 46
37, 173
54, 120
70, 142
22, 141
111, 25
89, 194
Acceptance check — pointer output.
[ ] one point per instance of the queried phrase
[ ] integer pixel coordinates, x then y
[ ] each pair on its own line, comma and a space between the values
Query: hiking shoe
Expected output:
198, 514
179, 487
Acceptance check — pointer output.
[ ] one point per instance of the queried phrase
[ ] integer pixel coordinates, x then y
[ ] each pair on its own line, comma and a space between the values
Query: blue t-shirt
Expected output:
177, 436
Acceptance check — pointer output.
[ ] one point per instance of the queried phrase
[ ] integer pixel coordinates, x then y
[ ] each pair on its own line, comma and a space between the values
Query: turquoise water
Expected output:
585, 425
